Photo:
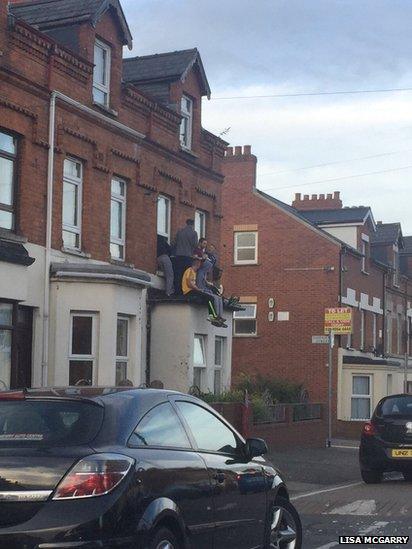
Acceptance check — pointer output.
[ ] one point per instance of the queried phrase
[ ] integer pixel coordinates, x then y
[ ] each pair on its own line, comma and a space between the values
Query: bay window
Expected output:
82, 353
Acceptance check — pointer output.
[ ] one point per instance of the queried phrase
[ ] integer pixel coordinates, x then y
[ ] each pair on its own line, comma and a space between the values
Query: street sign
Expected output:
338, 320
323, 339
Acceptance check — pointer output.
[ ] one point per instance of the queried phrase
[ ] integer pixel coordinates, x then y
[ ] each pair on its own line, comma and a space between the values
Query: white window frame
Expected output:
250, 317
86, 358
122, 200
361, 396
200, 223
374, 330
104, 88
237, 248
219, 367
399, 332
12, 157
201, 367
125, 358
364, 251
389, 333
168, 203
389, 384
78, 182
186, 138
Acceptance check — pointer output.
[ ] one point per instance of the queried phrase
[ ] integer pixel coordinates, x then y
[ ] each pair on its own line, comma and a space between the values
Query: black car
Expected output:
386, 442
134, 468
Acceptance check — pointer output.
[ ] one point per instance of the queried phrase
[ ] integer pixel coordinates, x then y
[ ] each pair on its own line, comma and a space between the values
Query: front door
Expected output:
239, 485
22, 348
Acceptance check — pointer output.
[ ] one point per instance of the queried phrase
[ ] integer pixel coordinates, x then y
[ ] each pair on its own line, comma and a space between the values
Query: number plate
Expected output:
402, 453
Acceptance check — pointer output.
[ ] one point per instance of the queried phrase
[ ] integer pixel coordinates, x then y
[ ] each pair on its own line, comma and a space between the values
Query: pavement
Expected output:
326, 488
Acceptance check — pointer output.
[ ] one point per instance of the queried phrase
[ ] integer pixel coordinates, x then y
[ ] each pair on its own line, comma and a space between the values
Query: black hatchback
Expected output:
386, 442
134, 468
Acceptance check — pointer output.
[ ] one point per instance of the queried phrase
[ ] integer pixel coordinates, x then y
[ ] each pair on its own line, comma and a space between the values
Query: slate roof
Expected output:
164, 67
387, 233
45, 14
341, 215
407, 240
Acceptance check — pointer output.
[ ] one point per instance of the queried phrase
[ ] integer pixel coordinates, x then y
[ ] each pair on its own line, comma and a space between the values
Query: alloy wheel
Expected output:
283, 530
165, 544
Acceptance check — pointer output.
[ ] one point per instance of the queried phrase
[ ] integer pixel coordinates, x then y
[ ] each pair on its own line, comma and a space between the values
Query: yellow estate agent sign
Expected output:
338, 320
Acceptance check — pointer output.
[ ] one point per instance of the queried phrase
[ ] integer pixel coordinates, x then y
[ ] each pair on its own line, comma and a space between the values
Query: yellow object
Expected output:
188, 276
402, 453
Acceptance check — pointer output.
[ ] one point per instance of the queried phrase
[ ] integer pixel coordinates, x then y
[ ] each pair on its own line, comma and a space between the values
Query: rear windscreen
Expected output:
396, 407
50, 423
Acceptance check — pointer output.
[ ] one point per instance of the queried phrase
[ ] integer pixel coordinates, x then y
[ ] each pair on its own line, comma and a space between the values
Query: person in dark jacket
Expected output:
165, 264
185, 244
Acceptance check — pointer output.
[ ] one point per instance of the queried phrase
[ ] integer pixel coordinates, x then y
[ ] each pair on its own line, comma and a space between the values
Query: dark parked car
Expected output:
134, 468
386, 442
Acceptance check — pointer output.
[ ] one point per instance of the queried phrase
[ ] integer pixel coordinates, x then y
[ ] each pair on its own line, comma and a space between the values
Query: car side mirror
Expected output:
256, 447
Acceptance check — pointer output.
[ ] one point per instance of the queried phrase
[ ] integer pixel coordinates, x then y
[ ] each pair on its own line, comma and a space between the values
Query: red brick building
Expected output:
289, 263
98, 155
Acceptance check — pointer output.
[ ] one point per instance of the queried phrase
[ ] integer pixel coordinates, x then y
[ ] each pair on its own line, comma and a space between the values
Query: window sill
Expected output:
105, 109
254, 336
255, 264
73, 251
189, 151
120, 262
12, 236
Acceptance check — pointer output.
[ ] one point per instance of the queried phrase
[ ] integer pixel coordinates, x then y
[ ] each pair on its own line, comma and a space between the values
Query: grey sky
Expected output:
280, 46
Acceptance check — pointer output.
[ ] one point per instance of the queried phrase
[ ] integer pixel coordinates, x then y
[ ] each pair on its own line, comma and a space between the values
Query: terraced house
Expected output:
99, 155
290, 262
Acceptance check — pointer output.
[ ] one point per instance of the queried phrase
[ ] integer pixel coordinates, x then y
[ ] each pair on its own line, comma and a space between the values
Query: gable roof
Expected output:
164, 67
387, 233
47, 14
356, 214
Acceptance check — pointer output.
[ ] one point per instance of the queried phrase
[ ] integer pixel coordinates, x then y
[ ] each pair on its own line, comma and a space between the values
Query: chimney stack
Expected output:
239, 167
318, 202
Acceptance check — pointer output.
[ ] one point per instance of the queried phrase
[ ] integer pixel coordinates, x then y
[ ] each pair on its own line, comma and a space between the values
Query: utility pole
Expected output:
330, 385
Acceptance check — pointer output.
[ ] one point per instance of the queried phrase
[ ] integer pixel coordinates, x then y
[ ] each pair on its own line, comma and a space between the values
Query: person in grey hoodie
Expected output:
185, 243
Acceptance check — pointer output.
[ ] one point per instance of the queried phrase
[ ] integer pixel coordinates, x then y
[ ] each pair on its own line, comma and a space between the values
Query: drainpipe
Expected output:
54, 96
148, 342
49, 217
405, 381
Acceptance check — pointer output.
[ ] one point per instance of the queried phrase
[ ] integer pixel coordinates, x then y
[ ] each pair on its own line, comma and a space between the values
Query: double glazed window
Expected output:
361, 397
186, 110
72, 203
220, 347
163, 217
8, 151
6, 327
118, 219
200, 223
244, 322
246, 248
101, 73
82, 357
199, 361
122, 349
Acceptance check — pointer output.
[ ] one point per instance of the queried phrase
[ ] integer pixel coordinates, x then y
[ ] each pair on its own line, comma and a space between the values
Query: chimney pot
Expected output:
238, 150
229, 151
329, 196
298, 196
314, 197
321, 197
247, 149
305, 197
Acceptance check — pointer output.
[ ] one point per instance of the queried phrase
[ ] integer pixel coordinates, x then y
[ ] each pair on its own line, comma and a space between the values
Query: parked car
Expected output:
134, 468
386, 442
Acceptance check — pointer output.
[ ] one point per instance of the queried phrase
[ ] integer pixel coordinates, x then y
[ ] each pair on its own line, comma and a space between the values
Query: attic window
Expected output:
186, 110
101, 73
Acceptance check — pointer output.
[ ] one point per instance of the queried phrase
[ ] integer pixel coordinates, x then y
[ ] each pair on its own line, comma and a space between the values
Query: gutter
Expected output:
54, 96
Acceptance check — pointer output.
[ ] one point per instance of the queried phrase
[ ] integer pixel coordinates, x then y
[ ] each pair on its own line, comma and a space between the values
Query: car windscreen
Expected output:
48, 423
396, 407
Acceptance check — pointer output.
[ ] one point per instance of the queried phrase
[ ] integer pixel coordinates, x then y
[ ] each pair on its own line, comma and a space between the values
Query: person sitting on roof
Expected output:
190, 289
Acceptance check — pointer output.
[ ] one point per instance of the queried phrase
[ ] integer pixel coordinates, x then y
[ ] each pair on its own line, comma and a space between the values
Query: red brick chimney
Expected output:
318, 202
239, 167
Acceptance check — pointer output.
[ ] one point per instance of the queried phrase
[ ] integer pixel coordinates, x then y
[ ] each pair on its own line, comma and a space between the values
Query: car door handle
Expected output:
219, 477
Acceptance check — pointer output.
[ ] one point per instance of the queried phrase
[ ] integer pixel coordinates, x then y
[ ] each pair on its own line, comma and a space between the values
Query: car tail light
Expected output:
369, 429
13, 395
94, 475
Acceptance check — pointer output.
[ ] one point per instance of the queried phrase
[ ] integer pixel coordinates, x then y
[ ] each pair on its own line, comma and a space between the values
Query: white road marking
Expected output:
361, 507
328, 545
317, 492
374, 527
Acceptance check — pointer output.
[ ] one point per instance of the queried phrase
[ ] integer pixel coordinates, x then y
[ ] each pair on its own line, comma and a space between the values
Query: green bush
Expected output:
280, 391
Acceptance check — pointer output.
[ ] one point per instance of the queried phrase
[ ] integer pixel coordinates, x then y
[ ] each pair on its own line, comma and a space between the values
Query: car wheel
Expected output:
286, 527
163, 538
371, 476
407, 475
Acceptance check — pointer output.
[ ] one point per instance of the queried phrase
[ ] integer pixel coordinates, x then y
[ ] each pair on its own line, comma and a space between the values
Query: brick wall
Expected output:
292, 257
